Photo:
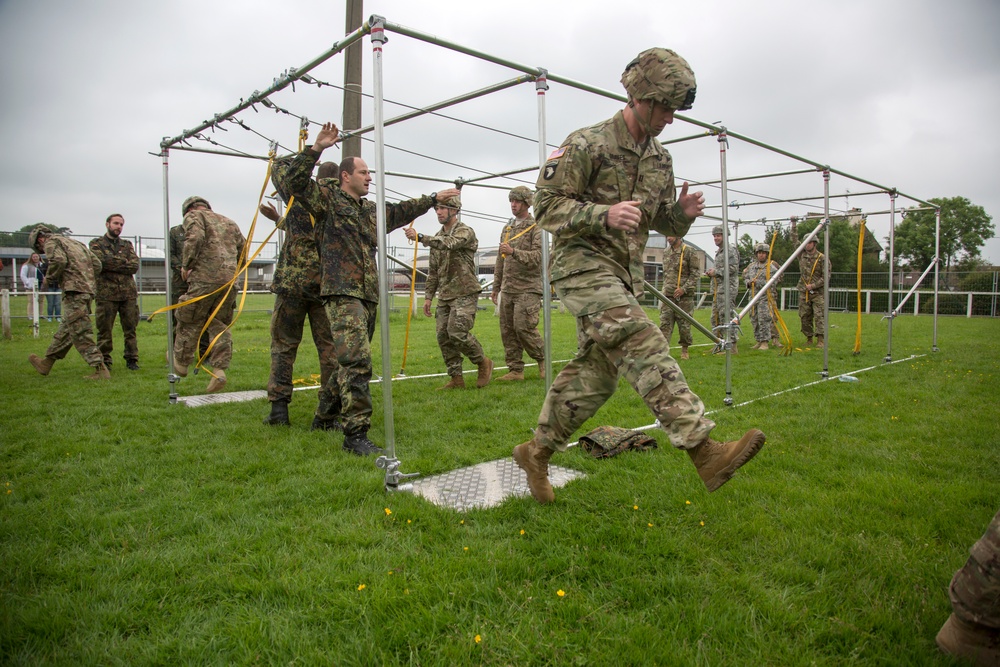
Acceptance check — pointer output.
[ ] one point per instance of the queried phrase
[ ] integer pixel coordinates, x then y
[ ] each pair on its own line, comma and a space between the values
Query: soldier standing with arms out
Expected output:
346, 238
73, 267
213, 249
756, 276
681, 271
812, 305
452, 277
722, 315
296, 288
598, 195
518, 277
116, 291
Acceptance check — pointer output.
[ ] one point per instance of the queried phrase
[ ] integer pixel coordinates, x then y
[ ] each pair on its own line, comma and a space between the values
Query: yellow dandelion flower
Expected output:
388, 511
650, 525
462, 522
361, 587
701, 523
478, 639
465, 548
408, 521
406, 591
687, 502
635, 507
561, 593
522, 531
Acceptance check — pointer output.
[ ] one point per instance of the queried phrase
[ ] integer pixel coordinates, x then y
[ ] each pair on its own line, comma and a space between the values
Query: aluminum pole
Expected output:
899, 307
681, 313
725, 313
762, 292
541, 85
825, 373
405, 265
937, 274
892, 257
172, 377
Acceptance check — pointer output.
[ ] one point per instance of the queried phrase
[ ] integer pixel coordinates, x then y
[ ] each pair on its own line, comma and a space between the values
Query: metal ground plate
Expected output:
229, 397
484, 485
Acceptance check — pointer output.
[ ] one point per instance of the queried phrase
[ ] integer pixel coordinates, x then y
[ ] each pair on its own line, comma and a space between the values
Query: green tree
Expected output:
19, 239
965, 227
843, 252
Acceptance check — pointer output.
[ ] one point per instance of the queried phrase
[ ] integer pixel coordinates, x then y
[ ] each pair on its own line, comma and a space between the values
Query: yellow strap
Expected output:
680, 265
519, 234
413, 295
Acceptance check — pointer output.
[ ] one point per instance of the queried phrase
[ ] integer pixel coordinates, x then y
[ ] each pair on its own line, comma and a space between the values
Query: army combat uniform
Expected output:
756, 276
451, 277
719, 286
518, 279
346, 238
116, 295
681, 268
812, 304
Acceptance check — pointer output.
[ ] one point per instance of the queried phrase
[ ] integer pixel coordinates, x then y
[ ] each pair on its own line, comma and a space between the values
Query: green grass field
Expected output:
134, 531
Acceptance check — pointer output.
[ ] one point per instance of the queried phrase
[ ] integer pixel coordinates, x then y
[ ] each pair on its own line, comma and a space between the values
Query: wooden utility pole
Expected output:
351, 147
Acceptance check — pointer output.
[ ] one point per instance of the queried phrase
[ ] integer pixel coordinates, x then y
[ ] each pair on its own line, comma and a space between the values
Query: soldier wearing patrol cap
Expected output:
720, 314
599, 194
517, 283
756, 275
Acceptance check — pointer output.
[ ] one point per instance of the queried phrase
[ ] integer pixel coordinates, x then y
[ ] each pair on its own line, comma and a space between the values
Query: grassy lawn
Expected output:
133, 531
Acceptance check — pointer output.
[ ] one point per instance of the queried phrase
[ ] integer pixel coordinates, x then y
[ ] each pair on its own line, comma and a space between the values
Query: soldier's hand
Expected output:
269, 212
185, 274
679, 292
427, 308
327, 137
411, 233
710, 273
624, 216
506, 249
447, 194
693, 203
493, 297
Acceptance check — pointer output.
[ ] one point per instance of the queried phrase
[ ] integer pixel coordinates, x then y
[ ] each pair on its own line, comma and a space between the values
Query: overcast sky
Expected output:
899, 93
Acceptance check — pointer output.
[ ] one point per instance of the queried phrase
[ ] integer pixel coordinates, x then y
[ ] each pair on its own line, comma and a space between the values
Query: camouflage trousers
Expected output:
975, 589
622, 342
352, 325
519, 329
287, 322
718, 317
668, 317
104, 316
453, 320
191, 319
75, 330
812, 313
760, 316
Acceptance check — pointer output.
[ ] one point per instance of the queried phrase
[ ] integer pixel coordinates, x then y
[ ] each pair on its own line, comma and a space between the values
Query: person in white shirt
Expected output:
31, 278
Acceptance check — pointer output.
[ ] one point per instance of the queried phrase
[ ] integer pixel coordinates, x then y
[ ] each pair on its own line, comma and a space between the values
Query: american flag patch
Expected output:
557, 153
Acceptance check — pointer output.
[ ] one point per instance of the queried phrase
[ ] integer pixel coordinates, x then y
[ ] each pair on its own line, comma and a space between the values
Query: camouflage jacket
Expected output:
756, 275
297, 273
176, 241
452, 271
116, 281
681, 268
346, 229
71, 265
213, 245
595, 168
811, 270
734, 271
521, 272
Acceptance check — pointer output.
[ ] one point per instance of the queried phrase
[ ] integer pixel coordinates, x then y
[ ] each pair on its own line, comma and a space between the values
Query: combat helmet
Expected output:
662, 76
760, 247
452, 202
191, 201
521, 193
717, 230
39, 230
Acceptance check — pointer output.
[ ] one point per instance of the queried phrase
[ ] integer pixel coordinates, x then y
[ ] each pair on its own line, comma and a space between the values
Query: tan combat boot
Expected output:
756, 346
533, 459
42, 364
217, 382
180, 370
456, 382
819, 342
717, 461
100, 373
485, 372
513, 376
762, 345
978, 645
809, 340
776, 342
684, 354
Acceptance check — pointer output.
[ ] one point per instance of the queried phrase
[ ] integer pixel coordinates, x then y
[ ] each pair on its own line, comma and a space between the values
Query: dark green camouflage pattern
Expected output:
105, 313
116, 281
298, 270
287, 325
352, 323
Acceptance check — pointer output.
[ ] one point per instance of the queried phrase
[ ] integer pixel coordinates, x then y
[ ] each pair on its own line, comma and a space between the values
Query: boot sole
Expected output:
754, 445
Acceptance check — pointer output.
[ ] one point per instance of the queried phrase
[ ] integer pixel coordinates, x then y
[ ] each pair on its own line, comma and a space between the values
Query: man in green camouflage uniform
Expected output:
756, 276
116, 291
681, 272
74, 268
213, 250
972, 632
718, 276
346, 238
518, 278
452, 277
296, 287
178, 285
599, 194
812, 304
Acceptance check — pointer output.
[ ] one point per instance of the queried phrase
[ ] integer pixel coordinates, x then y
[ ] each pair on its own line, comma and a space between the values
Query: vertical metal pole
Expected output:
937, 274
541, 85
34, 304
138, 276
825, 373
171, 376
725, 315
892, 258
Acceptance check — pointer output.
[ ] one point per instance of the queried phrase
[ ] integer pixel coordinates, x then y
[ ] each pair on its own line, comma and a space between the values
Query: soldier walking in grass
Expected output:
681, 272
812, 304
213, 250
721, 312
116, 291
756, 276
599, 194
452, 278
517, 284
74, 268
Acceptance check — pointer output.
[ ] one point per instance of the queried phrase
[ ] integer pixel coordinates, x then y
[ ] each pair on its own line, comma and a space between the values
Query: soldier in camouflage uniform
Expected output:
717, 274
178, 285
812, 305
452, 277
518, 277
972, 632
756, 276
74, 268
681, 272
599, 194
116, 291
346, 237
296, 286
213, 250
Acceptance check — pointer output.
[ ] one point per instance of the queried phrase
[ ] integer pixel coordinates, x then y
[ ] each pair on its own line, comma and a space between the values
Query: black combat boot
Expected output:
325, 424
132, 365
359, 444
279, 414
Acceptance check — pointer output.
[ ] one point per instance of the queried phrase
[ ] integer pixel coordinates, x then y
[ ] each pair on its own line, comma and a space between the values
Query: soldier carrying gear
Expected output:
191, 201
521, 193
